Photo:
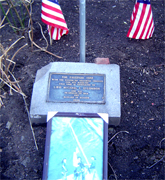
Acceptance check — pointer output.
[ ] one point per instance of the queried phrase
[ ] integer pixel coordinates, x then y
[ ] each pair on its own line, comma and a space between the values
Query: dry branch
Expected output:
23, 96
117, 134
15, 55
113, 171
5, 78
43, 35
160, 144
30, 19
8, 49
157, 162
4, 18
42, 49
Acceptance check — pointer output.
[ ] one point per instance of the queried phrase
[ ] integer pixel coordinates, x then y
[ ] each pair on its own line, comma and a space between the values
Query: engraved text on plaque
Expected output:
73, 87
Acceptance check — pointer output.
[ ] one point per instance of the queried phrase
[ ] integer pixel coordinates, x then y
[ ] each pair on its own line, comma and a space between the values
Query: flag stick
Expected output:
50, 35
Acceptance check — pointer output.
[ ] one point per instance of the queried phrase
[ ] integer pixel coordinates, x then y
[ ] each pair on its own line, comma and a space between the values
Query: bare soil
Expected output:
142, 89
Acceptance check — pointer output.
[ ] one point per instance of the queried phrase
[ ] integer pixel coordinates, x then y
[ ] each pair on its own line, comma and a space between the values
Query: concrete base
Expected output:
39, 107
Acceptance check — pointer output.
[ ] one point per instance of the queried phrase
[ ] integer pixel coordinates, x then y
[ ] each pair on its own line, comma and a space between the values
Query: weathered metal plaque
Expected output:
81, 88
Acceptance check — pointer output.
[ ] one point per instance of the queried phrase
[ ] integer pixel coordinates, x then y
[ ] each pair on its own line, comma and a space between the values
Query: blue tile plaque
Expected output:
76, 88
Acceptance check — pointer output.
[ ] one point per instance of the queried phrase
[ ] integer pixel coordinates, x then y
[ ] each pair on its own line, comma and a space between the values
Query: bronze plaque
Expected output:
77, 88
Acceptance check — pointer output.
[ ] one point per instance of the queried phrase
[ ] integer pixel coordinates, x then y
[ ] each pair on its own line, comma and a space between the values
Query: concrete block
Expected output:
40, 107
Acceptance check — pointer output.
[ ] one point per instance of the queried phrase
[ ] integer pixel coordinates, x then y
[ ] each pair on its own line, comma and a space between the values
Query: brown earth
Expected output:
142, 89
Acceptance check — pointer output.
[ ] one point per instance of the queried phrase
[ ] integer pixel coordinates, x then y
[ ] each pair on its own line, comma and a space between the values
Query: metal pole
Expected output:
82, 30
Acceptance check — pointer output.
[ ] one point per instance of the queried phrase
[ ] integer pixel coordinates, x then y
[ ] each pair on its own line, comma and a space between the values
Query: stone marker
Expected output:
76, 87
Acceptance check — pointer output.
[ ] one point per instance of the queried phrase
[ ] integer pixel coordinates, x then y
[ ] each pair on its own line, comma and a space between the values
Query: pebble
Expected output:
8, 125
111, 130
25, 161
136, 157
22, 138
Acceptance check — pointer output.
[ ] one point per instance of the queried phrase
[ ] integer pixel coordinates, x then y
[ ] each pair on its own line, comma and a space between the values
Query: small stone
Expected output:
143, 153
101, 60
35, 170
111, 130
8, 125
25, 161
22, 138
136, 157
152, 157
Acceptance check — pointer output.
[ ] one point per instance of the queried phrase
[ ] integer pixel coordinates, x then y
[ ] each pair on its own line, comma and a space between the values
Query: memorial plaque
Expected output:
76, 88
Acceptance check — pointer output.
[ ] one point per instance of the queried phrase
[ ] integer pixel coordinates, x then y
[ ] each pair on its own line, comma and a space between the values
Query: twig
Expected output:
5, 16
12, 85
3, 25
161, 142
30, 122
159, 159
11, 46
50, 35
117, 134
5, 53
16, 13
12, 17
42, 49
27, 113
10, 61
156, 162
43, 35
2, 96
1, 102
113, 171
8, 84
15, 55
28, 1
18, 29
31, 27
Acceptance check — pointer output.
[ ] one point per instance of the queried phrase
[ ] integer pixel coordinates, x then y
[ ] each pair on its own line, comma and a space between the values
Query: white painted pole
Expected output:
82, 29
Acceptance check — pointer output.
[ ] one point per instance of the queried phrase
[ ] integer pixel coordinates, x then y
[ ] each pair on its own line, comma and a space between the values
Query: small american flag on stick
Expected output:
51, 14
142, 24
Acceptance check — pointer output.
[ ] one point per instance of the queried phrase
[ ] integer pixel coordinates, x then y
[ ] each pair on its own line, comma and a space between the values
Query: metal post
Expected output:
82, 29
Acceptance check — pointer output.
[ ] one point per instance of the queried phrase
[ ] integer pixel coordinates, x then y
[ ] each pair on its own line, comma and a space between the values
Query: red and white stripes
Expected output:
51, 14
142, 25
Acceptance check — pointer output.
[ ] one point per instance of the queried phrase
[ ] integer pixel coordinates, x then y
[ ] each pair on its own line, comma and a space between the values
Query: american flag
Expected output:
51, 14
142, 24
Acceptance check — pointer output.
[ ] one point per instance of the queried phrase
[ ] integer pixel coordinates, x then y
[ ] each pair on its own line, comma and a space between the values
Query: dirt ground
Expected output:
142, 89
